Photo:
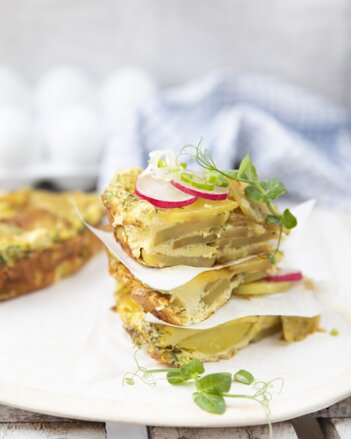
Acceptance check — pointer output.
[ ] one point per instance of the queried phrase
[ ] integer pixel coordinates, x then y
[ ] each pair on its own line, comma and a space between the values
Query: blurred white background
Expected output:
72, 72
305, 41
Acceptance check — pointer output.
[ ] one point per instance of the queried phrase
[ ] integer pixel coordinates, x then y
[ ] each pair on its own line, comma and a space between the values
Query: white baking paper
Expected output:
298, 302
172, 277
157, 278
70, 350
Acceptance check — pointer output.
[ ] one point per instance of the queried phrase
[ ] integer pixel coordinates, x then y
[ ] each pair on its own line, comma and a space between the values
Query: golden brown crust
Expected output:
157, 304
42, 238
40, 269
150, 300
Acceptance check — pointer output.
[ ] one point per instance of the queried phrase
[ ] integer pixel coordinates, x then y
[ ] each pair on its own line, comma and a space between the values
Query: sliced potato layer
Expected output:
174, 345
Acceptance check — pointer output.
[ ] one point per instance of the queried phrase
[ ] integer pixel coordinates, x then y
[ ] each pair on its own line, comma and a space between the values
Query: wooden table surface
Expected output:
331, 423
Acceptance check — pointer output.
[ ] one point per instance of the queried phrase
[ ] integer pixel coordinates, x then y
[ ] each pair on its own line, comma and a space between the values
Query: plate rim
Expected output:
104, 410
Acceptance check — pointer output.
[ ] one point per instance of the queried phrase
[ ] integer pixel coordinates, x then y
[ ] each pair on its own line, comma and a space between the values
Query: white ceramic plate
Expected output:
166, 405
63, 352
96, 409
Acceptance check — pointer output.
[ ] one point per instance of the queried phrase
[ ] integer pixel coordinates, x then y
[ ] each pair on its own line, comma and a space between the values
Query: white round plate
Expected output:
165, 405
64, 353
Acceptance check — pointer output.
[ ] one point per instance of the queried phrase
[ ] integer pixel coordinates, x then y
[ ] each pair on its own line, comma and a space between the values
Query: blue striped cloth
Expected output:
289, 133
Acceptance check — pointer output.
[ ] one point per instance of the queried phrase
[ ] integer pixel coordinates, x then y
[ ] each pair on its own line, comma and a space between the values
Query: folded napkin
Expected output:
290, 133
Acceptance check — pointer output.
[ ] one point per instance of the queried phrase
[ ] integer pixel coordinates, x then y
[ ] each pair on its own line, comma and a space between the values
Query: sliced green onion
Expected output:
244, 377
161, 163
211, 177
196, 182
172, 170
183, 165
222, 181
217, 179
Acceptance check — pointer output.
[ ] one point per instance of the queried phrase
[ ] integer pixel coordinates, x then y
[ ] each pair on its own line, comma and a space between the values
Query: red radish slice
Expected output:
295, 276
161, 193
217, 194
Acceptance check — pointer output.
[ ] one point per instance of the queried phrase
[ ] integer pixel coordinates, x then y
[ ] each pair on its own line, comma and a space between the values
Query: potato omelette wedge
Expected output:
42, 239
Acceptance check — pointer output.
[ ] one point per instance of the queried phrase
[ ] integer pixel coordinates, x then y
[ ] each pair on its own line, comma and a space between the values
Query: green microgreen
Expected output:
256, 190
211, 390
244, 377
211, 403
215, 383
289, 220
185, 373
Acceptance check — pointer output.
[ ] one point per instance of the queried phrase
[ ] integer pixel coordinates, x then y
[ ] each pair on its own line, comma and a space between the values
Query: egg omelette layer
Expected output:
201, 235
197, 299
175, 346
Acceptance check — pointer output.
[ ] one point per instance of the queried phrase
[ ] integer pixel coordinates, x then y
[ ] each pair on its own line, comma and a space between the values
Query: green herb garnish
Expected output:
334, 332
143, 374
189, 371
212, 389
258, 191
244, 377
210, 402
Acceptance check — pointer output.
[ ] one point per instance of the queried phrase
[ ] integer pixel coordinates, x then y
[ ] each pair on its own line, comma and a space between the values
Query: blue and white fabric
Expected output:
289, 133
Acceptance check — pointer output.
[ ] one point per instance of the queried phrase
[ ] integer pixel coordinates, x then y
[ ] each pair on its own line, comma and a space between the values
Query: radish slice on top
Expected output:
161, 193
218, 193
294, 276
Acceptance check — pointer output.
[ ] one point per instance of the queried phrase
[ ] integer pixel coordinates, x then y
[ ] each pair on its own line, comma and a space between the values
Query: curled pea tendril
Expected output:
263, 396
211, 389
256, 190
142, 373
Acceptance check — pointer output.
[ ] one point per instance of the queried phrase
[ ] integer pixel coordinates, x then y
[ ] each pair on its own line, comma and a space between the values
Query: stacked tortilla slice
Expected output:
232, 242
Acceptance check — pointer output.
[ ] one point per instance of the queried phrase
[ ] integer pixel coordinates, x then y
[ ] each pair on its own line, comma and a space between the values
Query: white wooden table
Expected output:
331, 423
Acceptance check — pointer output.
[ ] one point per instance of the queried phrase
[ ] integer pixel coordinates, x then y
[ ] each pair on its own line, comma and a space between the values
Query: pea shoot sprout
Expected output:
210, 389
141, 373
256, 190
